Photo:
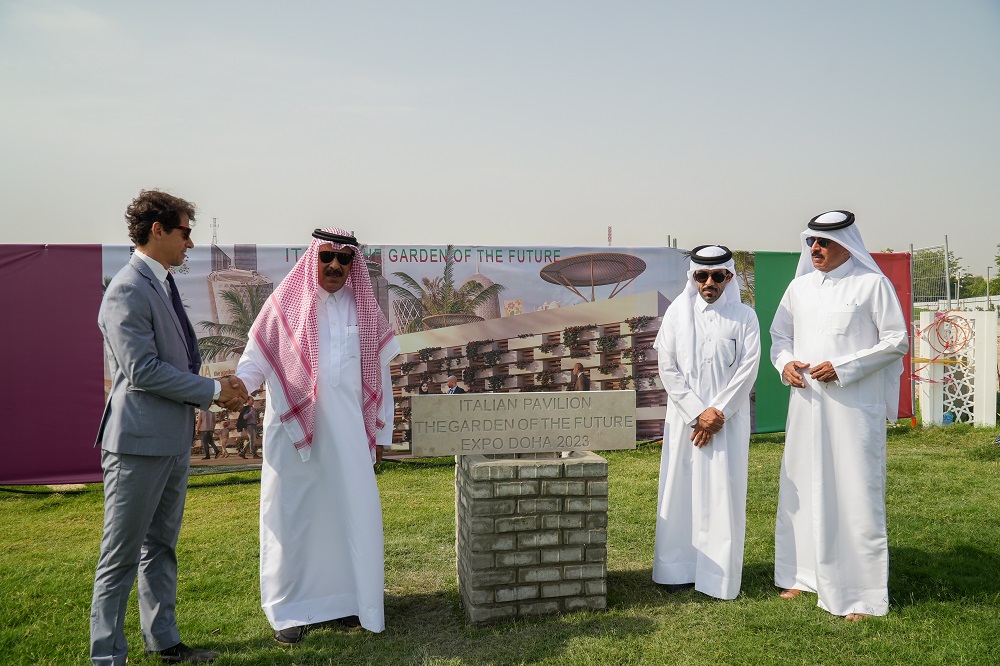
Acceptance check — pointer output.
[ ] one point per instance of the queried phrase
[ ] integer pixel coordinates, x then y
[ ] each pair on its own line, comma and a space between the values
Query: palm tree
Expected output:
244, 305
438, 296
744, 269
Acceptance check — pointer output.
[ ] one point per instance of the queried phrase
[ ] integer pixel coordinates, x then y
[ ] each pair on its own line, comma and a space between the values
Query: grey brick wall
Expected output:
531, 535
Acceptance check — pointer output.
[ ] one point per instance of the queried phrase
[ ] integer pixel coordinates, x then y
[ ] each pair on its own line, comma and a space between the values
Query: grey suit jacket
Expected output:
149, 410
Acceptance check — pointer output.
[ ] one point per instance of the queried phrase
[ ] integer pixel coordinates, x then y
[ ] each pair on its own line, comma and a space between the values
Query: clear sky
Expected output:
506, 123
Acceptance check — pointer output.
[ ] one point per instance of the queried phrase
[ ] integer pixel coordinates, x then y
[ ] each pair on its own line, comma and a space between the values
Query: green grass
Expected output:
944, 532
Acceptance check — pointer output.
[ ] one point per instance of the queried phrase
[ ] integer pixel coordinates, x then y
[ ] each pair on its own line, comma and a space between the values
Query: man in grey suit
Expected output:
145, 434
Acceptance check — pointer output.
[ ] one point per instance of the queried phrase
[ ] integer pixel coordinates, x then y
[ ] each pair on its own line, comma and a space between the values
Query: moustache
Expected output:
333, 272
817, 254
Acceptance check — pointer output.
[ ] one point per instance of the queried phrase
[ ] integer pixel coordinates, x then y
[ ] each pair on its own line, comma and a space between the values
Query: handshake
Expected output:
233, 394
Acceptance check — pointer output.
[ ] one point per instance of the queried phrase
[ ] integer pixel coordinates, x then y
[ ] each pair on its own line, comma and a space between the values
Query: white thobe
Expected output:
321, 544
701, 518
830, 534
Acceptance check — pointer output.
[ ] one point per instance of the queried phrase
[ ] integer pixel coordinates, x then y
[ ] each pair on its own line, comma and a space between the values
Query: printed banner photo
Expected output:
497, 319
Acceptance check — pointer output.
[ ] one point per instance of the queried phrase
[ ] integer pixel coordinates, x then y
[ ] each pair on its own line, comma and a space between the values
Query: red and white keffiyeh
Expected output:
286, 332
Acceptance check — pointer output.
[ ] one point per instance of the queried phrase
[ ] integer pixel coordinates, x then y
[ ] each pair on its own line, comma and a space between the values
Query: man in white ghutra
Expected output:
708, 350
838, 339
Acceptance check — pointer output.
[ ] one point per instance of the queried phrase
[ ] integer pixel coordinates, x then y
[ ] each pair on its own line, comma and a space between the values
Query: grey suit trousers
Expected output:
144, 503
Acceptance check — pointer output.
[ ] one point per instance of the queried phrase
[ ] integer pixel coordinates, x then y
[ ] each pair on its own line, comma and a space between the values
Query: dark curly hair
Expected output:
155, 206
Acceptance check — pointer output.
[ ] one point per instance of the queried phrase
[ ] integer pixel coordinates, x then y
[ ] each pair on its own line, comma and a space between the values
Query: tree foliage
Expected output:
743, 262
974, 286
437, 296
244, 304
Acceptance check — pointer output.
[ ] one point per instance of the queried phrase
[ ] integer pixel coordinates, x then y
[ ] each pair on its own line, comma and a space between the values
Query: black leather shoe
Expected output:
680, 587
291, 635
349, 622
181, 653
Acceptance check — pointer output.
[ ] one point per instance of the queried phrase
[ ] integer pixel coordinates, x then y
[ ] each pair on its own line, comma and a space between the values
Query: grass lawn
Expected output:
944, 536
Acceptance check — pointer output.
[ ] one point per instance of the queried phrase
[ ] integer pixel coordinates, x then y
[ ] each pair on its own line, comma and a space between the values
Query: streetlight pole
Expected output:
989, 306
947, 273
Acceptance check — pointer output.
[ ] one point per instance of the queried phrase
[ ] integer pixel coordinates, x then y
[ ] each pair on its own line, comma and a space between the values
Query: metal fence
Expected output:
930, 274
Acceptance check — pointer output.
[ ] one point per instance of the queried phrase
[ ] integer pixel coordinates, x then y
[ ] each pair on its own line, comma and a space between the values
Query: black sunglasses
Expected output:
327, 256
185, 231
823, 242
718, 277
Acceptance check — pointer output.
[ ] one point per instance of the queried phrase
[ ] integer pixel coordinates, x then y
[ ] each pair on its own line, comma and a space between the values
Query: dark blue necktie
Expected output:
189, 339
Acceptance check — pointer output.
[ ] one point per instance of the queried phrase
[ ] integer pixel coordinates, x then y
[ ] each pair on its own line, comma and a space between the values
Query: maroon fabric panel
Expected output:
896, 266
53, 367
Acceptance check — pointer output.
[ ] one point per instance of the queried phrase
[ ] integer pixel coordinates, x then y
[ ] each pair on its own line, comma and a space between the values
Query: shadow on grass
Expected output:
628, 589
962, 572
758, 581
424, 628
915, 577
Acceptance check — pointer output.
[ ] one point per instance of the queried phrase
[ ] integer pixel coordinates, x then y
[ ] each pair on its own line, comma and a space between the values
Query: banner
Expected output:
500, 319
519, 319
774, 270
52, 349
898, 268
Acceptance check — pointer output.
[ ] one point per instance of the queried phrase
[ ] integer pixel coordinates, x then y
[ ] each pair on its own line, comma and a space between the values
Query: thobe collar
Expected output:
322, 295
837, 273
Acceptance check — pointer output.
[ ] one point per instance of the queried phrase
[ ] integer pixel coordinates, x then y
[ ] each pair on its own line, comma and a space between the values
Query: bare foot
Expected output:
790, 594
856, 617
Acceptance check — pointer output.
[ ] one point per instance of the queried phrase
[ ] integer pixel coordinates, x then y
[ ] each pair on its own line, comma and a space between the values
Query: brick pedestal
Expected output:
531, 535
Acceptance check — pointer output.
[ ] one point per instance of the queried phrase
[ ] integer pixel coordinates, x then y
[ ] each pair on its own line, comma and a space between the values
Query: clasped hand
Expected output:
824, 372
233, 394
709, 422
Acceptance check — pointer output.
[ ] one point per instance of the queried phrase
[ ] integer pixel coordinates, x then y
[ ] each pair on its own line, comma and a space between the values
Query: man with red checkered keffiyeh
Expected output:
323, 347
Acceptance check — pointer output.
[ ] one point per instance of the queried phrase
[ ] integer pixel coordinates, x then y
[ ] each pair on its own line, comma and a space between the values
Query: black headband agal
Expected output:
706, 260
835, 219
335, 238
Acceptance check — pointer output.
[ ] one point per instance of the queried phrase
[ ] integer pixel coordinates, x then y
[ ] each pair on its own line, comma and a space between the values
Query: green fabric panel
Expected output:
772, 273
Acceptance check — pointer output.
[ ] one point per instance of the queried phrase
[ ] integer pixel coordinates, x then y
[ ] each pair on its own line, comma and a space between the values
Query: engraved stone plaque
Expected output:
503, 423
